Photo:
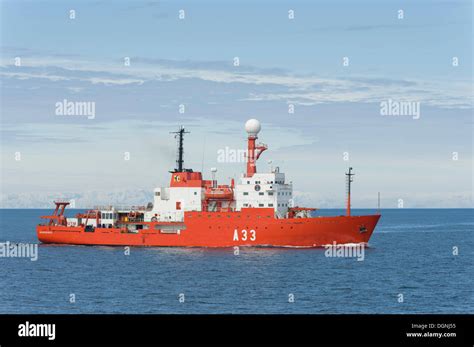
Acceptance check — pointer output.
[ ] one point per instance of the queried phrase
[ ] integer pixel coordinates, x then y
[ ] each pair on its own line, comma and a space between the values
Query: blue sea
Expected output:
411, 266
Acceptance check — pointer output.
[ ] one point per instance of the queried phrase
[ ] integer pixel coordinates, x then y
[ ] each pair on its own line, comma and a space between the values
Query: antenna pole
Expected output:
349, 181
378, 202
180, 135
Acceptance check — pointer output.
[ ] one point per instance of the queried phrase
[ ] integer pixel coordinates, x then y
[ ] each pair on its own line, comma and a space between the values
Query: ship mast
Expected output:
349, 181
252, 127
180, 161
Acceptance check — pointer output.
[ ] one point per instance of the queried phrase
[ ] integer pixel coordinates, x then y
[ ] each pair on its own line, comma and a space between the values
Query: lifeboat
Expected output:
219, 194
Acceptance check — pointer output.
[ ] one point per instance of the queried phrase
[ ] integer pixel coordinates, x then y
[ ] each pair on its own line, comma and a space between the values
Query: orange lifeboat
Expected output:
219, 193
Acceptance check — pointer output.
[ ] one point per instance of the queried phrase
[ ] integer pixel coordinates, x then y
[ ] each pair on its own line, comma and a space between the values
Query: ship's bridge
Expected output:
264, 190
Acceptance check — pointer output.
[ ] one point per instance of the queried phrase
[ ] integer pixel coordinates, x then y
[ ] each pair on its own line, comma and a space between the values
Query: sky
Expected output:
148, 71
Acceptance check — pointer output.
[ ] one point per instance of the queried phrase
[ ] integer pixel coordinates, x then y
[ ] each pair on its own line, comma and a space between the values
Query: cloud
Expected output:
216, 65
258, 84
25, 137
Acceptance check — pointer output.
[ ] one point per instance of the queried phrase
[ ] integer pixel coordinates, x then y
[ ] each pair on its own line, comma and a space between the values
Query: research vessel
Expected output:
257, 210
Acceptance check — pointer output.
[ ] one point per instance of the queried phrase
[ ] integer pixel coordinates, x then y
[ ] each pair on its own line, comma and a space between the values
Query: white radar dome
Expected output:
252, 127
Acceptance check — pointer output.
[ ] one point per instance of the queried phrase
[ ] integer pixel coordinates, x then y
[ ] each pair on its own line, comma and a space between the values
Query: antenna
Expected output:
203, 151
180, 136
213, 172
349, 181
378, 202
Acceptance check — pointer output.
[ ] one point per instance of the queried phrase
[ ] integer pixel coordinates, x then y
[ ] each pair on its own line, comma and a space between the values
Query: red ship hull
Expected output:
217, 229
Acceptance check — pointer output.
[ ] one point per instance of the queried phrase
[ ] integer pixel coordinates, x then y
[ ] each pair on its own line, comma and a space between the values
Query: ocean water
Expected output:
410, 253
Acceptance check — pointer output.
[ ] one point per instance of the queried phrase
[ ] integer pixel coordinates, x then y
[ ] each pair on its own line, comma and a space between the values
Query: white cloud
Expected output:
301, 89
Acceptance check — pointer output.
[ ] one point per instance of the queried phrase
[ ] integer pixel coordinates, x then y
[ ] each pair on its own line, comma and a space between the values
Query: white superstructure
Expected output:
267, 190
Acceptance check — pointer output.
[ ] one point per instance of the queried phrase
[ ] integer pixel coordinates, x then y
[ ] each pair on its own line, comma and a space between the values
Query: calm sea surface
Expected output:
411, 253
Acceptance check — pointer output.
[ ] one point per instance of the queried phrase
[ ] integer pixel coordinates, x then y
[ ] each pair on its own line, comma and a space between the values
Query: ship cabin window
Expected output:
246, 193
261, 193
270, 193
248, 182
195, 193
260, 205
246, 205
270, 205
157, 193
